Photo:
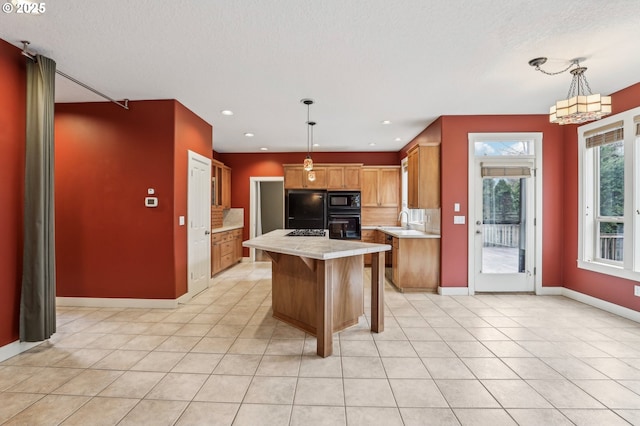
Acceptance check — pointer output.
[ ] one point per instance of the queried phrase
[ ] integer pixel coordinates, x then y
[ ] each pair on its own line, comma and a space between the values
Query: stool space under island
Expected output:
318, 283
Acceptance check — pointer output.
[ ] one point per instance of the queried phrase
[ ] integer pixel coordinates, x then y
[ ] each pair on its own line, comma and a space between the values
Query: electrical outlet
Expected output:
636, 290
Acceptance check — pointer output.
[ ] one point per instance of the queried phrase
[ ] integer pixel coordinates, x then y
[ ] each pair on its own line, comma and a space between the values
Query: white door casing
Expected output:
199, 223
493, 265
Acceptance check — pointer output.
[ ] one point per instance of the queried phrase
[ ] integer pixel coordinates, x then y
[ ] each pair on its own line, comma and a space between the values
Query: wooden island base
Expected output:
322, 297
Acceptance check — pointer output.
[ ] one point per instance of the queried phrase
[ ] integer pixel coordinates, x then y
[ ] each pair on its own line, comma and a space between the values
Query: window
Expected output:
608, 239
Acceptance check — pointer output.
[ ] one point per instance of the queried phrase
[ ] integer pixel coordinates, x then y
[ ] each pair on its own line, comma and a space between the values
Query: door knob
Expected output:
478, 222
206, 232
478, 232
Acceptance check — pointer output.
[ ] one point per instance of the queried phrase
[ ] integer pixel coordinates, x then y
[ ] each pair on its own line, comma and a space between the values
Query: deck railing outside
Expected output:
501, 235
611, 246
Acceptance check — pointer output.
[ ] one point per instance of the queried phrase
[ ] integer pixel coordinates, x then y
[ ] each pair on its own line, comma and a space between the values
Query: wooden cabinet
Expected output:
380, 195
368, 236
226, 249
423, 164
220, 185
295, 177
344, 177
328, 176
381, 186
416, 264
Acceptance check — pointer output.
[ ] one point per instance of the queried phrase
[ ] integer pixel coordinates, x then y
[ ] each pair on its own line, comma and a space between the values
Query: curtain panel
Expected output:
38, 297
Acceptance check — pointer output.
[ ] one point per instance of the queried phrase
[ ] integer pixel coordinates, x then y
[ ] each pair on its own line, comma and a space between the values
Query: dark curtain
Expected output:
38, 300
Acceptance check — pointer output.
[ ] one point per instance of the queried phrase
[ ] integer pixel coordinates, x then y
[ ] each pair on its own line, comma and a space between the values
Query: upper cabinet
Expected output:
328, 176
424, 177
220, 185
344, 177
381, 186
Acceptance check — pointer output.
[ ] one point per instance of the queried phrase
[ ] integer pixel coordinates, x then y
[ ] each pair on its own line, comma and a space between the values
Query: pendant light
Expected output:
308, 162
580, 105
311, 175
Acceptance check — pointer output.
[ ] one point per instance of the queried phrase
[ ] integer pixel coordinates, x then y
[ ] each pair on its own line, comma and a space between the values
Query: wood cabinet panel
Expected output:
220, 185
226, 249
369, 191
424, 177
328, 176
416, 264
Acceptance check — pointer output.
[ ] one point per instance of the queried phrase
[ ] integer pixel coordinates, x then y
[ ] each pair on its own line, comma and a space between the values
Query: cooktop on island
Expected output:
307, 233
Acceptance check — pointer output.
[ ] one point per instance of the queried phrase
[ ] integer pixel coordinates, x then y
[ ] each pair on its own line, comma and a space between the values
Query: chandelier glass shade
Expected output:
581, 105
307, 164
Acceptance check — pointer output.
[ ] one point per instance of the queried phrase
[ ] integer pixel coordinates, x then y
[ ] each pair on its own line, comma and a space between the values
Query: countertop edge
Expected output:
398, 235
226, 228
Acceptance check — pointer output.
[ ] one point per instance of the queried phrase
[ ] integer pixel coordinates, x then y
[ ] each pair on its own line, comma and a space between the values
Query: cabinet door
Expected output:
335, 177
369, 192
226, 187
389, 187
216, 256
395, 264
412, 179
321, 179
352, 178
429, 183
293, 177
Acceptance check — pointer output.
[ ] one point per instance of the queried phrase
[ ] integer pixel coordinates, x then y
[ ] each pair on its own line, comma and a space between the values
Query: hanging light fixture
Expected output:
581, 105
311, 175
308, 162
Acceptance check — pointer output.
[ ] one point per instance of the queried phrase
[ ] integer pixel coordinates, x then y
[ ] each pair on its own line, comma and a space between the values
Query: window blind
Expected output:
509, 171
605, 135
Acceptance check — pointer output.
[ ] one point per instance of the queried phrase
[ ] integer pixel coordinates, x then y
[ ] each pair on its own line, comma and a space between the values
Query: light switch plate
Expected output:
181, 220
456, 207
459, 220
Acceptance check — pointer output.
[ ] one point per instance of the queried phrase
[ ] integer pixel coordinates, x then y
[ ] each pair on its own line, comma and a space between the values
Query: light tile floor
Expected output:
221, 359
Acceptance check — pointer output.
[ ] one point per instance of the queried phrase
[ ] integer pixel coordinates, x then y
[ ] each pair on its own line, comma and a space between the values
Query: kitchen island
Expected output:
318, 283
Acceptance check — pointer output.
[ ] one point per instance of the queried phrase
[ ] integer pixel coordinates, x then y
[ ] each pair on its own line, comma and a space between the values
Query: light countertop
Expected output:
400, 232
321, 248
226, 228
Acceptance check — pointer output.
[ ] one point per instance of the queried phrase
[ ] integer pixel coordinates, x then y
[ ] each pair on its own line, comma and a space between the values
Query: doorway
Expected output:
266, 209
504, 196
198, 223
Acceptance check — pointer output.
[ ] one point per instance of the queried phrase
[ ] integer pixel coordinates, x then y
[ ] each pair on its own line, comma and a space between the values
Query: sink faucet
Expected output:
403, 211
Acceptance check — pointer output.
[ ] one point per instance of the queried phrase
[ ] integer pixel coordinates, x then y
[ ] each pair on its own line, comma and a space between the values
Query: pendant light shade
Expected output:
580, 105
308, 161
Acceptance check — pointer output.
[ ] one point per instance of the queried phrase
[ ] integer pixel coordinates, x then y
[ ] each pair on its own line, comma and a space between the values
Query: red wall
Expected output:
12, 151
194, 134
246, 165
108, 244
605, 287
452, 132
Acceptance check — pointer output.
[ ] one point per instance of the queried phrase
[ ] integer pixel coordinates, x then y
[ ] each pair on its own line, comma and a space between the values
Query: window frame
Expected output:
588, 198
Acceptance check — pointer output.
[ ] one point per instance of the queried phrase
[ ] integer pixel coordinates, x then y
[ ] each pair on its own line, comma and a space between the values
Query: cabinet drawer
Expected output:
226, 247
226, 261
237, 233
216, 237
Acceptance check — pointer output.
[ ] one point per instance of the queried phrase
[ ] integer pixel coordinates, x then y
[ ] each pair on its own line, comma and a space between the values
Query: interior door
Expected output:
504, 229
199, 223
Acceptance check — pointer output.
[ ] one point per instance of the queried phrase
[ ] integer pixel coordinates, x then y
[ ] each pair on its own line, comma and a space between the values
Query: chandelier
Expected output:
308, 162
581, 105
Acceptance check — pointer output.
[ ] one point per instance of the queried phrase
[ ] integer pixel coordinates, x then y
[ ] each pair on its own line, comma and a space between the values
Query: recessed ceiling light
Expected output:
372, 144
398, 139
264, 148
316, 144
249, 134
226, 112
385, 122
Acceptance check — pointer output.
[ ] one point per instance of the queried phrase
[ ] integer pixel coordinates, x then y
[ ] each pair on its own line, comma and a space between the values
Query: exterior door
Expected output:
504, 237
199, 223
504, 203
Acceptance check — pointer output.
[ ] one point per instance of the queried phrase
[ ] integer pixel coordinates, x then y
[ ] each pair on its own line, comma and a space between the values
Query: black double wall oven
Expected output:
339, 212
343, 215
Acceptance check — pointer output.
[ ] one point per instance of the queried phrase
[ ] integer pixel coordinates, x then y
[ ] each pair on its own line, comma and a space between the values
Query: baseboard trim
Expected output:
15, 348
453, 291
550, 291
602, 304
107, 302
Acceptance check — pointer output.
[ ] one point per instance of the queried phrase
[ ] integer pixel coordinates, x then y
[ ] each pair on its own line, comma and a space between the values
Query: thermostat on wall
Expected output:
151, 201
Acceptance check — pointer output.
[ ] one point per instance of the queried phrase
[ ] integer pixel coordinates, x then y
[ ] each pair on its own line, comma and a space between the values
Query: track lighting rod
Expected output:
33, 57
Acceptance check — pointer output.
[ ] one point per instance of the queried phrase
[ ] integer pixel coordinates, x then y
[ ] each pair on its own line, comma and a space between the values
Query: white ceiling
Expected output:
362, 61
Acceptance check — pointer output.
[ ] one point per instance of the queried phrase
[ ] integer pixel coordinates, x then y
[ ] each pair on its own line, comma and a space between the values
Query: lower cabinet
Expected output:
226, 249
416, 264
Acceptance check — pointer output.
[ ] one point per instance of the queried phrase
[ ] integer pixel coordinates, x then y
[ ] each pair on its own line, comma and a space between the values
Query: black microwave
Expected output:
343, 200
